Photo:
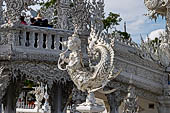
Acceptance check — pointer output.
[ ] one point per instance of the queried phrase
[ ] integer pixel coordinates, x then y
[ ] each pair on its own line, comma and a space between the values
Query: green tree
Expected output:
49, 3
111, 21
124, 34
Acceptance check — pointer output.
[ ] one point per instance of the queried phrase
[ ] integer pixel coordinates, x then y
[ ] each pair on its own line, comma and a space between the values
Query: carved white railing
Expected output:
40, 38
21, 110
36, 37
30, 110
31, 39
23, 105
28, 40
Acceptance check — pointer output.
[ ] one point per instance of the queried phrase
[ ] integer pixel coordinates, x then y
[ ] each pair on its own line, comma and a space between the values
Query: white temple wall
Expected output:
146, 106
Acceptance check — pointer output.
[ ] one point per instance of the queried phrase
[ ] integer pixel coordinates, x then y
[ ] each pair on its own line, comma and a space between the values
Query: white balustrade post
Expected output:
49, 41
56, 42
40, 40
32, 39
23, 38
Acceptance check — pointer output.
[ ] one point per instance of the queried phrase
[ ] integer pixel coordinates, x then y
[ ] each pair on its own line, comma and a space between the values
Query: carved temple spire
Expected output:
46, 106
39, 94
130, 102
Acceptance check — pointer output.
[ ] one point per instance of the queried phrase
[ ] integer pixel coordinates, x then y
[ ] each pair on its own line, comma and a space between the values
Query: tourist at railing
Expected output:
38, 21
32, 20
45, 24
22, 19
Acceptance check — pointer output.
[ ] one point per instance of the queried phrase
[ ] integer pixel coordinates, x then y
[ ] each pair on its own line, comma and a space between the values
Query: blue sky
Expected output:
132, 11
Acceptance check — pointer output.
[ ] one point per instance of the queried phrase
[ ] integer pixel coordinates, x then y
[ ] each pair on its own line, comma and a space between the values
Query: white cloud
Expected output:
156, 34
128, 9
132, 11
136, 25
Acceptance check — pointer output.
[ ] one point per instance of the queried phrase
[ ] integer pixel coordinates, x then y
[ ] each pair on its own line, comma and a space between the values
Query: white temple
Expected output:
85, 69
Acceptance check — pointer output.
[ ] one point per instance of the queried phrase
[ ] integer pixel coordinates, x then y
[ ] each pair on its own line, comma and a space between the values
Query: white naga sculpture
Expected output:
92, 78
95, 76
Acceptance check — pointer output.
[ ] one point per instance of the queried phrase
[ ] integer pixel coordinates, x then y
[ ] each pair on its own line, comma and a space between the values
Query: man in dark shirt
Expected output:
32, 20
38, 21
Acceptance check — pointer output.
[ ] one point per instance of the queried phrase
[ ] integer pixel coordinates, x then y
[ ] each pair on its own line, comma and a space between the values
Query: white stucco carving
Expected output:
39, 94
158, 51
46, 106
94, 77
156, 7
90, 78
151, 4
131, 105
97, 75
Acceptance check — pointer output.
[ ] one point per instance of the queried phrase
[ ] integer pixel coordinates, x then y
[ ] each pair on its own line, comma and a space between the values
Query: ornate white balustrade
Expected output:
40, 38
27, 42
23, 105
28, 108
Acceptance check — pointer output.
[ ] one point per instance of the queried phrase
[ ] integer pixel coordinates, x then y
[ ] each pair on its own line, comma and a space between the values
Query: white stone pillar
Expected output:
56, 98
112, 103
59, 99
11, 99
